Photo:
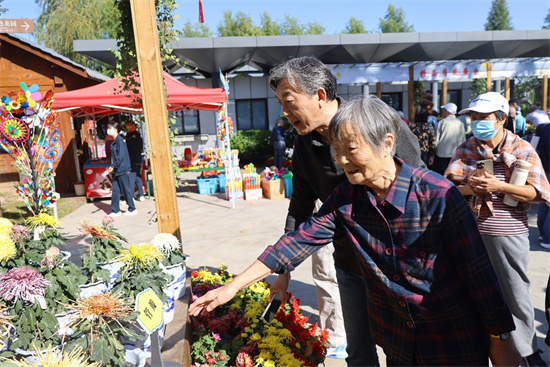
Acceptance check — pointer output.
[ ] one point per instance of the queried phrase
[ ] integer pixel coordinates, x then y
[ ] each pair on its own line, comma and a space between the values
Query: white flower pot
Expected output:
177, 271
89, 289
113, 268
63, 321
168, 306
31, 356
134, 357
66, 255
37, 231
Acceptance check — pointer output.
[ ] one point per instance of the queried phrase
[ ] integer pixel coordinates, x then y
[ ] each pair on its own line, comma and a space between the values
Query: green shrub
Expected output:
254, 146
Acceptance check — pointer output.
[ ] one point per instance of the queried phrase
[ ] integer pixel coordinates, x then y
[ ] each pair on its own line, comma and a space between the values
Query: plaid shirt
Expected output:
510, 149
432, 292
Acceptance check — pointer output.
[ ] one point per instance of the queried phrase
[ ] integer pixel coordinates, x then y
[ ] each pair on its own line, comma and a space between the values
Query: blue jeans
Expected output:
122, 183
278, 158
353, 294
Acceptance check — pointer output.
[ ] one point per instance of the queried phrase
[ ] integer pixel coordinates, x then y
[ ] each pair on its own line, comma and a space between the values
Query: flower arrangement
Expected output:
104, 247
235, 334
99, 323
22, 290
170, 247
141, 270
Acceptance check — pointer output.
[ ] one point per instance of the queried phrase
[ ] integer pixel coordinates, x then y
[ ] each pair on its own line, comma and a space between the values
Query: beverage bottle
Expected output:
519, 177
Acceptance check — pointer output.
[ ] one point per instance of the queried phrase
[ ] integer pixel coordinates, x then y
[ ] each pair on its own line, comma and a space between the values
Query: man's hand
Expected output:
486, 184
213, 299
280, 285
503, 353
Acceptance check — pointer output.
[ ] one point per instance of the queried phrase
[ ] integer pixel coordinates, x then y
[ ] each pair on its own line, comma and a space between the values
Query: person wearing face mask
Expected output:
504, 228
120, 169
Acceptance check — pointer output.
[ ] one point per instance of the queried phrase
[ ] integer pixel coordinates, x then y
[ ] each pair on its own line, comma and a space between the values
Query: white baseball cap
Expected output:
487, 103
450, 107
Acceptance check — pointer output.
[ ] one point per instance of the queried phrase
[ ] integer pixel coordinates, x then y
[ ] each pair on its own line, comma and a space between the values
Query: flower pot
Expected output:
169, 310
63, 321
66, 255
178, 273
113, 268
144, 341
30, 356
79, 188
134, 357
37, 231
89, 289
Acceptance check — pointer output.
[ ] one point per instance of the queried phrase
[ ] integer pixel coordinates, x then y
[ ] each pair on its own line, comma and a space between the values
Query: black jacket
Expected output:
134, 142
120, 160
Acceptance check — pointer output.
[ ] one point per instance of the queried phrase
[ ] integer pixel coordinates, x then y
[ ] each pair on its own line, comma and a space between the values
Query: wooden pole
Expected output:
156, 115
545, 93
379, 90
489, 80
444, 93
410, 93
507, 88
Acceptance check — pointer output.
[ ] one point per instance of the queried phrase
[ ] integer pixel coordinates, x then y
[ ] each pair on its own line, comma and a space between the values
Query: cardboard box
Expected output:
252, 194
273, 189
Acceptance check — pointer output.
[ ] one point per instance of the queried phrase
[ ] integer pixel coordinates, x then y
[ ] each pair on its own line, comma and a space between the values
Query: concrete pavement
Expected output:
214, 233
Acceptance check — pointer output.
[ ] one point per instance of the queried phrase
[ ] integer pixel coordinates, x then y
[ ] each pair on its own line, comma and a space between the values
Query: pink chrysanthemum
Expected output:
20, 233
22, 283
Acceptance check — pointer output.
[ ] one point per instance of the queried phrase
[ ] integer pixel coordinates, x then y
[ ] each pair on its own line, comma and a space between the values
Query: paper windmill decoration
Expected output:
14, 129
52, 154
32, 94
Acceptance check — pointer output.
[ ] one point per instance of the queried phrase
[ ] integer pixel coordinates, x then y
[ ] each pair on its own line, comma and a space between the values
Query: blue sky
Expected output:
424, 15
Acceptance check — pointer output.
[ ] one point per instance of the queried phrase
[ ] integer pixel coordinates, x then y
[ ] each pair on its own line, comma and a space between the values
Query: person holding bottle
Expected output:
120, 169
503, 227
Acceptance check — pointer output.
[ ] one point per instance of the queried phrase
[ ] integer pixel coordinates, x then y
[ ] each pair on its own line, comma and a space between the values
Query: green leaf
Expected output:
101, 352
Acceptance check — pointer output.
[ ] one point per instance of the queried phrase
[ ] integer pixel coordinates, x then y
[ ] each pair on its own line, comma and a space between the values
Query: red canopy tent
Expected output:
109, 98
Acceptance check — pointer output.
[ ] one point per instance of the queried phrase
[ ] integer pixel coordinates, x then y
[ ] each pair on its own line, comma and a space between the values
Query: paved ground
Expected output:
214, 233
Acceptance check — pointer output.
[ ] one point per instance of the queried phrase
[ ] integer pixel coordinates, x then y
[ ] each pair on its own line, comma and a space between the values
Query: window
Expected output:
393, 100
251, 114
187, 122
454, 96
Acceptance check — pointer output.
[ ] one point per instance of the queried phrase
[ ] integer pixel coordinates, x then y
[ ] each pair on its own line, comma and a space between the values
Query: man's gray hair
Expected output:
370, 118
306, 73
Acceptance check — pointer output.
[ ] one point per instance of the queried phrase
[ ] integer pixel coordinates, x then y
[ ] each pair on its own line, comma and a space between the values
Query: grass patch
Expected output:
14, 209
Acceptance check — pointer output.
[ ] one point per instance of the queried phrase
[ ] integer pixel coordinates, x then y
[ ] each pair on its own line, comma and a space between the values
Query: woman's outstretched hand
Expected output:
213, 299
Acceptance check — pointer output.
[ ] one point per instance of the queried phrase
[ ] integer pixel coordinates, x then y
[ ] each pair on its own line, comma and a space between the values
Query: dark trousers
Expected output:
278, 158
122, 184
440, 164
135, 177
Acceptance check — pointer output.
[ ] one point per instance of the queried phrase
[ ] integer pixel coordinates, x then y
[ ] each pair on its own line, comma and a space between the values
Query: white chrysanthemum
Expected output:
166, 243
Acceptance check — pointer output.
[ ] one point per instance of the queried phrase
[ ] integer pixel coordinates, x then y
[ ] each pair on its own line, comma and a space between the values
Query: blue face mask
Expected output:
484, 129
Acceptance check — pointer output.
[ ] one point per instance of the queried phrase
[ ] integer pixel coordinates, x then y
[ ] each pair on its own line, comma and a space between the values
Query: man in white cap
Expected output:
449, 135
536, 116
504, 228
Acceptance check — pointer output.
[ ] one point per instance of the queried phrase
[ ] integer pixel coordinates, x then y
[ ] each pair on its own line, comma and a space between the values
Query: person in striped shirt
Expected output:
433, 297
504, 228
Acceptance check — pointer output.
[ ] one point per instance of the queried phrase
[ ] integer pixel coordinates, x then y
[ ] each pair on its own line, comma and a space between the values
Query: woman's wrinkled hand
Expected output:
213, 299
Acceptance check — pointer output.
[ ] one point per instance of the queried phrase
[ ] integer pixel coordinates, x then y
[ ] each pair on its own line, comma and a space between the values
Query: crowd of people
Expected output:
428, 264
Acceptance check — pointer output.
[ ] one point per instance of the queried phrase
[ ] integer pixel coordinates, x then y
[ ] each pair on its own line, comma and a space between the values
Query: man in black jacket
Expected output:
134, 142
306, 91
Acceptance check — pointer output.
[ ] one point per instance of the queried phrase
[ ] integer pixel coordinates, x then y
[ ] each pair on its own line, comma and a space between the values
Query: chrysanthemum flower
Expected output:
166, 243
22, 283
5, 226
143, 254
96, 231
55, 357
51, 254
20, 233
42, 219
7, 248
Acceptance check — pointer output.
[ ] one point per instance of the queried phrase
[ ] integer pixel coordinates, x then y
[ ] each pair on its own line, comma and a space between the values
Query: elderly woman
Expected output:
433, 297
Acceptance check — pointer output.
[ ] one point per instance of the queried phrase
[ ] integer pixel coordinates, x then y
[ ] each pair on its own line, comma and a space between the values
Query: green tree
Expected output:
61, 22
394, 21
499, 17
479, 86
547, 21
269, 27
238, 25
197, 30
355, 26
291, 27
315, 28
2, 10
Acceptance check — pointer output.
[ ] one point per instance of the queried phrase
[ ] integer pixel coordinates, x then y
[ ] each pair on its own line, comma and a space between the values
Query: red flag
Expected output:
201, 15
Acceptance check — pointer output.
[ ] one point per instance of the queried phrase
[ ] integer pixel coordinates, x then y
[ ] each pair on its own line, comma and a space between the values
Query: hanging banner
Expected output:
450, 71
362, 74
520, 69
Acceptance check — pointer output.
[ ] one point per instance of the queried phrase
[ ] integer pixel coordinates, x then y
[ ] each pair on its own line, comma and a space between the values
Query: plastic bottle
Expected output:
519, 177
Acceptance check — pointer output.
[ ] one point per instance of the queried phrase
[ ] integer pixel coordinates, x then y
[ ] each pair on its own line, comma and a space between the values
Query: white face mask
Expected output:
111, 132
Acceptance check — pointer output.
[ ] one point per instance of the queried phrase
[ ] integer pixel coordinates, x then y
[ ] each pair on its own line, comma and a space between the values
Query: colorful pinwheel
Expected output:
14, 129
32, 94
52, 154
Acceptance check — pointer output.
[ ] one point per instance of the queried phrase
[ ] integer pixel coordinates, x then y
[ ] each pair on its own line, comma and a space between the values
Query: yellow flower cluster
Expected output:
274, 350
210, 278
7, 248
42, 219
144, 254
5, 226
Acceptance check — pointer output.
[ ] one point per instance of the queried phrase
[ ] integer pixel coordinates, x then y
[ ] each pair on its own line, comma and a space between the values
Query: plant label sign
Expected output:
149, 307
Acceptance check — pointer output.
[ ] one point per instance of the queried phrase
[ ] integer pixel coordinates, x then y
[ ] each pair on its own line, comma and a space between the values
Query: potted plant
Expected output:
45, 232
104, 247
173, 262
22, 290
100, 323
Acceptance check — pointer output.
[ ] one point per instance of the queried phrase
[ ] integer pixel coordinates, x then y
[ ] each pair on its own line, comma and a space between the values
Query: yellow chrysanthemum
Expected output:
144, 254
5, 226
7, 248
56, 358
42, 219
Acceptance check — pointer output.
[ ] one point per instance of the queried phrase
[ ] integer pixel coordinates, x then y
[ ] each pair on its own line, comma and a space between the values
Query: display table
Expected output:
203, 169
97, 185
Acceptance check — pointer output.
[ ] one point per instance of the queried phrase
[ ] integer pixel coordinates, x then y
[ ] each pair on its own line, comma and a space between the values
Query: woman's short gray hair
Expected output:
370, 118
